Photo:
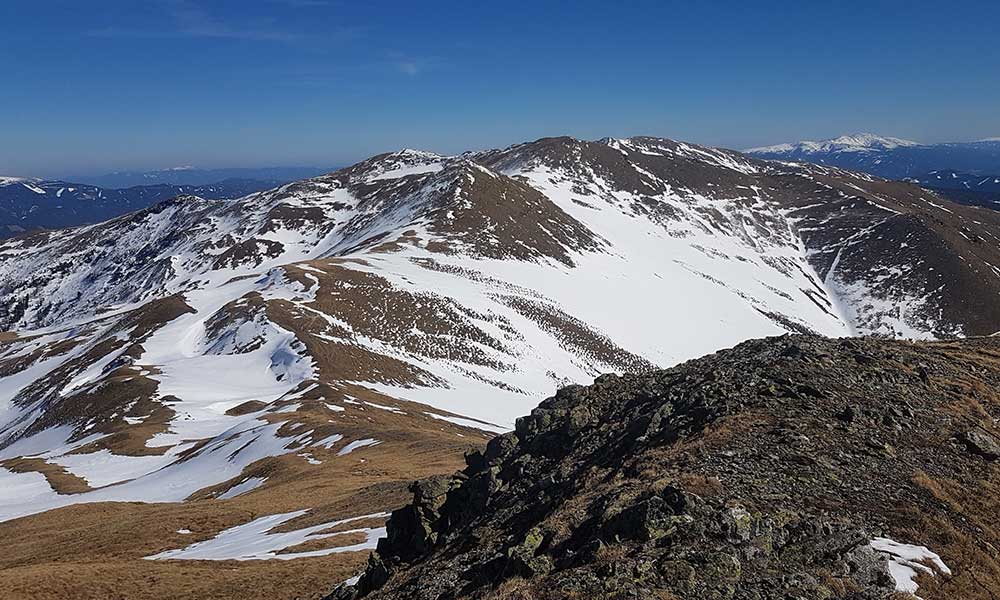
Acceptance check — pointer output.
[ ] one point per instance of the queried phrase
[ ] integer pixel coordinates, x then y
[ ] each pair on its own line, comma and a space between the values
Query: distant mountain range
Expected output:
31, 204
890, 157
965, 172
187, 175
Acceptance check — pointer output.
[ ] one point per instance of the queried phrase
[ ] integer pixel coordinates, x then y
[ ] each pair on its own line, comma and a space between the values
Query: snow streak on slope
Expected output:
257, 541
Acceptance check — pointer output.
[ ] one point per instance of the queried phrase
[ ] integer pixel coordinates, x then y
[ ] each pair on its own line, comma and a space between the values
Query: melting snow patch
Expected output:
481, 425
103, 468
357, 444
392, 409
330, 441
904, 562
310, 459
409, 170
310, 268
256, 541
247, 485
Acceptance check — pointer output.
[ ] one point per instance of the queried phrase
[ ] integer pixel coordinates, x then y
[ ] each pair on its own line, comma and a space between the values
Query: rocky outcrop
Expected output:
764, 471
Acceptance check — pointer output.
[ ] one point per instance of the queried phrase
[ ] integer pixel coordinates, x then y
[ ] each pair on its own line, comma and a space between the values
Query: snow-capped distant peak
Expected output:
870, 140
11, 180
990, 139
419, 154
857, 142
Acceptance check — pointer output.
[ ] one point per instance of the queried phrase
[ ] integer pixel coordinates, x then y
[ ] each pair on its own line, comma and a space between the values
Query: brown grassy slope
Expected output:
94, 551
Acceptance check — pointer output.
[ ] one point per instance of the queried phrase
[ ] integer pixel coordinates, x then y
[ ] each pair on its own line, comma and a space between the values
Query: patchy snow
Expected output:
310, 458
215, 462
906, 560
256, 540
468, 423
410, 170
392, 409
329, 441
208, 385
247, 485
27, 486
104, 468
357, 444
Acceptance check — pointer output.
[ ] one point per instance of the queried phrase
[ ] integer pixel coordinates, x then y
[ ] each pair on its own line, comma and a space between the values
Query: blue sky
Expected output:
99, 86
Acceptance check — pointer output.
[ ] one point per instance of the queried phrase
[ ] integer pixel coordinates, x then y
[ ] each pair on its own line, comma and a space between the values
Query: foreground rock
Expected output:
791, 467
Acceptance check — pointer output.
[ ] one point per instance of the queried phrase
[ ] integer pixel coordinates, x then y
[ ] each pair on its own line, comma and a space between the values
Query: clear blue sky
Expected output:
99, 86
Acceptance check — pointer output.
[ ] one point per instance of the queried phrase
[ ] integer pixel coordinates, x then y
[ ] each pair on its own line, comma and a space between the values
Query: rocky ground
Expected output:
782, 468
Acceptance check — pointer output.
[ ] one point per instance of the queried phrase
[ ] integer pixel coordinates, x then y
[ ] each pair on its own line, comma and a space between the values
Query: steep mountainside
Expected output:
888, 157
284, 362
29, 204
791, 467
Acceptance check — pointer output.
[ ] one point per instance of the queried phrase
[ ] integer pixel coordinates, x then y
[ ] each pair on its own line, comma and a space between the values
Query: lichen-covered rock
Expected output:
762, 472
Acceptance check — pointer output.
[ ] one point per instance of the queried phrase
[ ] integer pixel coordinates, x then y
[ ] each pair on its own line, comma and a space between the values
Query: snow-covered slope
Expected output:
413, 298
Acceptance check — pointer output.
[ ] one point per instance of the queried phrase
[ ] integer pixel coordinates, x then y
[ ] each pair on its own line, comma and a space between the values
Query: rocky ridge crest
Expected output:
771, 470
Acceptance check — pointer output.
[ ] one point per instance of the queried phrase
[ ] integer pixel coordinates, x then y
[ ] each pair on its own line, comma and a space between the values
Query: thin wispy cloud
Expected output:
188, 19
408, 68
304, 3
193, 20
412, 66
